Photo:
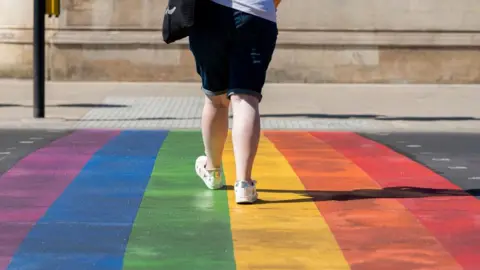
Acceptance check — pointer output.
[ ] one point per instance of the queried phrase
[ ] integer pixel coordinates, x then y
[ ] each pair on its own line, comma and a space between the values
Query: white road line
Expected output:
474, 178
440, 159
25, 142
414, 146
5, 153
457, 167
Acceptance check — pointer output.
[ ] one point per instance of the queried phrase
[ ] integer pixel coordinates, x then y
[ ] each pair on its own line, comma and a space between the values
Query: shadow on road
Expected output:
374, 116
362, 194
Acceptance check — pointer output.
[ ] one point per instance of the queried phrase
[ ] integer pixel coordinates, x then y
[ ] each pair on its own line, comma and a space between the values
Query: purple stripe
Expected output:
33, 184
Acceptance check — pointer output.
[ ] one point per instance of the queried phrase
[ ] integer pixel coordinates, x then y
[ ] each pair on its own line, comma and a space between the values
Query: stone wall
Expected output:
339, 41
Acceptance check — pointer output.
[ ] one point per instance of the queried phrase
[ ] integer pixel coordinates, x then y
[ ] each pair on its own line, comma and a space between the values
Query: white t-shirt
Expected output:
261, 8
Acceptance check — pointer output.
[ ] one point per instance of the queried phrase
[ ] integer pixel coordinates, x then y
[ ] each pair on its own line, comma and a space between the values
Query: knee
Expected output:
245, 98
218, 102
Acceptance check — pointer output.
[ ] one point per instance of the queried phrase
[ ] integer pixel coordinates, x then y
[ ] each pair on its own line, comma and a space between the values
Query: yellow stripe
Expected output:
278, 235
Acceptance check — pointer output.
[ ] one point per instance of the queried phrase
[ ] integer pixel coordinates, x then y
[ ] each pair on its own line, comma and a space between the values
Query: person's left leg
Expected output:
214, 134
208, 43
214, 129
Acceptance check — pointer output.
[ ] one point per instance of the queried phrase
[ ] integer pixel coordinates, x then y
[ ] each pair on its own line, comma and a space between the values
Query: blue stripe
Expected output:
89, 225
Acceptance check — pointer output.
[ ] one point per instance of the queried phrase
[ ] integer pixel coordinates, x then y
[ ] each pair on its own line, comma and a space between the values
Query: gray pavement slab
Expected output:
185, 113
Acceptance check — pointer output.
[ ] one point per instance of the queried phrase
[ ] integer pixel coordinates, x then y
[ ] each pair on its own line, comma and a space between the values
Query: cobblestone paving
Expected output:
185, 112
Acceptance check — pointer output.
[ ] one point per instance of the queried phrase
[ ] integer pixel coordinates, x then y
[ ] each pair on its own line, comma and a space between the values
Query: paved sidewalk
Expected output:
285, 106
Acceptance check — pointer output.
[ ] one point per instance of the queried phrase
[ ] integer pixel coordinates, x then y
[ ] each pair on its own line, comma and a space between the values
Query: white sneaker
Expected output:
245, 192
212, 179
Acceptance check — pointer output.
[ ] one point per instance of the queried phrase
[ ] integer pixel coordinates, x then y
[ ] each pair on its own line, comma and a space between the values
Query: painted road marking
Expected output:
35, 183
171, 230
282, 231
440, 159
5, 153
92, 219
174, 223
414, 146
457, 167
362, 216
26, 142
441, 200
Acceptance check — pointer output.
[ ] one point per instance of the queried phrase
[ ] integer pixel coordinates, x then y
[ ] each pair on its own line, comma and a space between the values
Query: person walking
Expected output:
232, 42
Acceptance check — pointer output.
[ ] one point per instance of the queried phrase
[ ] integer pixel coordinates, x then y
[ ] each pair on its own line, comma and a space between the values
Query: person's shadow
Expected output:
402, 192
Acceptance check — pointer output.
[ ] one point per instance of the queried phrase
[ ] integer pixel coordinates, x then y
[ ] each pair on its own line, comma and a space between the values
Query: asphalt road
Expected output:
76, 200
16, 144
454, 156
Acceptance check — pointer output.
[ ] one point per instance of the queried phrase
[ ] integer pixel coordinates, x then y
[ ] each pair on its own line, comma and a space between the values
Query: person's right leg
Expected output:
245, 133
253, 45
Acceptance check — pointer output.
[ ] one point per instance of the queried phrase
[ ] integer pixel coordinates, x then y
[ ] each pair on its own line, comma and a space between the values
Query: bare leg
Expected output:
215, 129
245, 134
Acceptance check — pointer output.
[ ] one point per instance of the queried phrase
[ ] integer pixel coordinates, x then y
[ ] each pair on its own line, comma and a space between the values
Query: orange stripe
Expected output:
283, 230
374, 231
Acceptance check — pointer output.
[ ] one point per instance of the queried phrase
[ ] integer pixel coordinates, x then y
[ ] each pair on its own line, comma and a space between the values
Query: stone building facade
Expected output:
320, 41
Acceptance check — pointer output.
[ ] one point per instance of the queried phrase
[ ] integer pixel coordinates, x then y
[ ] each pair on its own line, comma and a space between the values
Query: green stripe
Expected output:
180, 224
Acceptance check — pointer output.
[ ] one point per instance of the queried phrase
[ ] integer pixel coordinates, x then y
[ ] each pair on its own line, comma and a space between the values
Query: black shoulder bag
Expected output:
178, 19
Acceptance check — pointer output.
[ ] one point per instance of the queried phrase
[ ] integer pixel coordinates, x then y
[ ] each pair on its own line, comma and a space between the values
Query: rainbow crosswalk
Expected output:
110, 199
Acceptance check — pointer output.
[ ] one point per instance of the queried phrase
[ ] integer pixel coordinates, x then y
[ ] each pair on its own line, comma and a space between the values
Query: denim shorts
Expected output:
232, 49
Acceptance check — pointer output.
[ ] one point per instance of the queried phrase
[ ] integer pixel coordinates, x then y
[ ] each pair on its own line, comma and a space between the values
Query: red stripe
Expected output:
453, 220
372, 233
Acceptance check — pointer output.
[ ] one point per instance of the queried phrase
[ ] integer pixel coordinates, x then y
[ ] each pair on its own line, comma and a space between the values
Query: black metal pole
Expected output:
39, 58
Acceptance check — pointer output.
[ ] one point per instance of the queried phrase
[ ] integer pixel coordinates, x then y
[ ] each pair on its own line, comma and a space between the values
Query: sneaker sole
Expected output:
207, 185
245, 200
213, 188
